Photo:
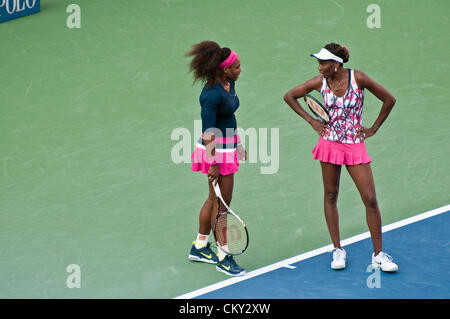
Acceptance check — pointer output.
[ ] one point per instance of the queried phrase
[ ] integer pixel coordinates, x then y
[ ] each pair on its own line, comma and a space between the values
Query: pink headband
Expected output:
230, 60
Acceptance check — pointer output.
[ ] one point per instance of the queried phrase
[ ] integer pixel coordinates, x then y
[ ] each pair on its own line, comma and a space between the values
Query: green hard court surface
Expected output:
87, 116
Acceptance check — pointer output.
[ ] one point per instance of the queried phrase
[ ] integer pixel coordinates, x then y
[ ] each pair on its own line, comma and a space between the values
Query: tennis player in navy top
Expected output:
218, 151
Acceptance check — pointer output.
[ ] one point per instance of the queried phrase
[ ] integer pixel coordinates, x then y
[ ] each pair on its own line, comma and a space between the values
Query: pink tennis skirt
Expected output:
226, 156
341, 153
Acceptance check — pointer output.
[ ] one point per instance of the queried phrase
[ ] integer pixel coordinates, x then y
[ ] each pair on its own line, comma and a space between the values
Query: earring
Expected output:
335, 69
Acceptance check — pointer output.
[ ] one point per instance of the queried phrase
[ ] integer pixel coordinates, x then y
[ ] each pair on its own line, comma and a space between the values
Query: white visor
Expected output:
324, 54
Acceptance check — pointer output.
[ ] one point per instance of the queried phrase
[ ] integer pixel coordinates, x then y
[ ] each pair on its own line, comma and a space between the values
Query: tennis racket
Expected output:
229, 230
317, 108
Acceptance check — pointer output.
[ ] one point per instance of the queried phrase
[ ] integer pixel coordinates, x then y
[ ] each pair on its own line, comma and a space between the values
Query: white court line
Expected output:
287, 262
290, 267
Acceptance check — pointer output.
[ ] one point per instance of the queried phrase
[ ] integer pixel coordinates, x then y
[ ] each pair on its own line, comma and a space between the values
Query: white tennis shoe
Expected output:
339, 256
383, 261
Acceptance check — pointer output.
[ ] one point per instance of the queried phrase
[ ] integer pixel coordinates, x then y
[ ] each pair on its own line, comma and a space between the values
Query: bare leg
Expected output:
363, 179
226, 184
209, 209
331, 177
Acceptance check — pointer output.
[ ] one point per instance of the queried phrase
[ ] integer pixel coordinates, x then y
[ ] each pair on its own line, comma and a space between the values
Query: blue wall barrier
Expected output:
12, 9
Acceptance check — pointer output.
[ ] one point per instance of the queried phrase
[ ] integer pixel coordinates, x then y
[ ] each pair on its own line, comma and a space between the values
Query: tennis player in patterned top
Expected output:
218, 151
341, 142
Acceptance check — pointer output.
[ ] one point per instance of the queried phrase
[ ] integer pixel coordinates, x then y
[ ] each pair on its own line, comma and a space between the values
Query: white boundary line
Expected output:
309, 254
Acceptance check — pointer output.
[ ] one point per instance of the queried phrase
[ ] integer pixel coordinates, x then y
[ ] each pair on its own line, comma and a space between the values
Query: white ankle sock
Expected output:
200, 243
222, 254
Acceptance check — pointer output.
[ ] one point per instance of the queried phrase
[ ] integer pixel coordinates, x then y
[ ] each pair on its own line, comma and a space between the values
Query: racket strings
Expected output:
318, 109
231, 234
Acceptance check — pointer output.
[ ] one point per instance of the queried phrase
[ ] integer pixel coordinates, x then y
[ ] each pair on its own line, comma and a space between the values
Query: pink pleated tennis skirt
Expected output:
341, 153
226, 156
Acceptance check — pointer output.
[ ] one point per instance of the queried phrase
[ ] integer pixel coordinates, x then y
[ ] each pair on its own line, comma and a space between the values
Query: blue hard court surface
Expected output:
421, 249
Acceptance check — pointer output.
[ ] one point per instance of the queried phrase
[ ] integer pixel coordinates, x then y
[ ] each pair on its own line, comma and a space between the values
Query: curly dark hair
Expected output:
339, 50
205, 64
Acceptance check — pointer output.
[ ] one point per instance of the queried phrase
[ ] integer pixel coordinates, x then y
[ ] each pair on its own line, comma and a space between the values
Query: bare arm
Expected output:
365, 82
292, 96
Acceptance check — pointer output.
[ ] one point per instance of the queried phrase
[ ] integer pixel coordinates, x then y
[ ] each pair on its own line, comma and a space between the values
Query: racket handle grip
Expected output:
217, 189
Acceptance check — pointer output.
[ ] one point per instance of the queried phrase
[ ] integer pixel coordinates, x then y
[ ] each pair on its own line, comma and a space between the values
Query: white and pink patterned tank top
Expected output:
345, 112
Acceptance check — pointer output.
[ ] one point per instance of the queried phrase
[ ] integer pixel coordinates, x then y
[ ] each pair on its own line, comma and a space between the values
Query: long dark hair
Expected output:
205, 64
339, 50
